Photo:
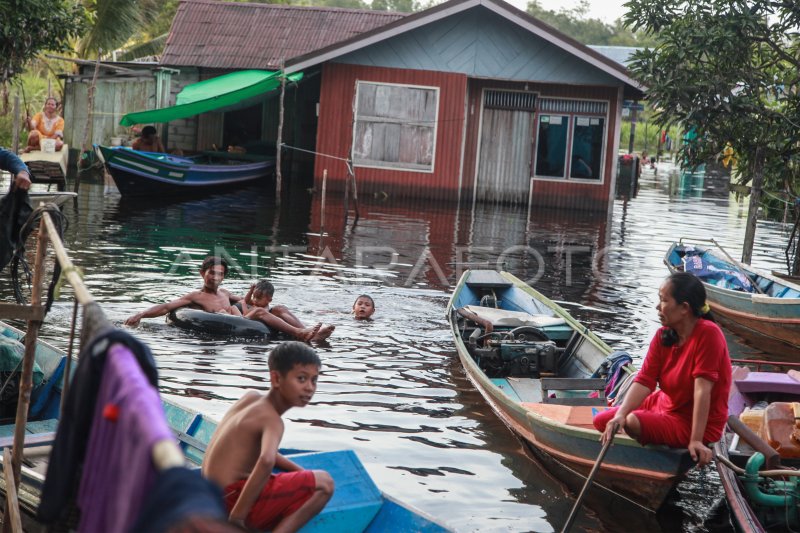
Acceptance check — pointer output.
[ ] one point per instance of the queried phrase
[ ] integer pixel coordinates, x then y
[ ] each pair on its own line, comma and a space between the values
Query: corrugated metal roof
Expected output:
620, 54
232, 35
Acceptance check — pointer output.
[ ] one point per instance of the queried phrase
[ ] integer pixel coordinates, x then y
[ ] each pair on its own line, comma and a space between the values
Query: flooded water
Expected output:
392, 389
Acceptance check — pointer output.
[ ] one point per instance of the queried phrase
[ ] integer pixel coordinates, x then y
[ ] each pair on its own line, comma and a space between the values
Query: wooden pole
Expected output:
89, 110
12, 516
278, 175
26, 379
16, 127
574, 513
322, 203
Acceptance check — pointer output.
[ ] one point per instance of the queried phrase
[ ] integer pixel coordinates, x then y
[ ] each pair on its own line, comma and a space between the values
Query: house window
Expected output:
395, 126
551, 146
570, 140
586, 159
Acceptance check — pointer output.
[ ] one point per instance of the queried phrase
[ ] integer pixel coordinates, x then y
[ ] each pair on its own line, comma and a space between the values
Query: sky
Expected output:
605, 10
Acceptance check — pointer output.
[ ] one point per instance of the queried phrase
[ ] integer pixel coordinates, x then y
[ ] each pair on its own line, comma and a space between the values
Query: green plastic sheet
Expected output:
236, 90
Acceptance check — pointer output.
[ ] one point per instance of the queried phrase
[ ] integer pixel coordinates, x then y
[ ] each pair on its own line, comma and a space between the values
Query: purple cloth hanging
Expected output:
118, 470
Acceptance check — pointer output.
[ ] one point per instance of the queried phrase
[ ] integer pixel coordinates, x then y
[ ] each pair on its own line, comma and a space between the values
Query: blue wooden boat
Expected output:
533, 363
757, 305
758, 458
155, 174
357, 503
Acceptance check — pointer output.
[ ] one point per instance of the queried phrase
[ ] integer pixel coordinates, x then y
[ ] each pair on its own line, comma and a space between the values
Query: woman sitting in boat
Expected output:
688, 359
46, 124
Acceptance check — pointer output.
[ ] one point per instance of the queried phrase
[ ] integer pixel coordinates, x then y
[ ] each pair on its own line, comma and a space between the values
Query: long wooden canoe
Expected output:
357, 503
757, 305
516, 345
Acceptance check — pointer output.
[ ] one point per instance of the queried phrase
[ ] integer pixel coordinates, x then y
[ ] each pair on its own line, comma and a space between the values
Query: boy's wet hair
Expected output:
264, 287
148, 130
367, 296
290, 353
213, 260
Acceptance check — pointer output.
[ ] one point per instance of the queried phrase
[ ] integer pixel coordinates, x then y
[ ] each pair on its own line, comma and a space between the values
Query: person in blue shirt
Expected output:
21, 176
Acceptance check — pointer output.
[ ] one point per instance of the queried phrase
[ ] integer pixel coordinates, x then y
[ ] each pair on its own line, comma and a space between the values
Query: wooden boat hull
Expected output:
154, 174
357, 503
772, 322
564, 434
748, 507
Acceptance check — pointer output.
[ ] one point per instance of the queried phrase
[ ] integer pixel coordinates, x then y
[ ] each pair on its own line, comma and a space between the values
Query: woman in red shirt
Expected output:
688, 359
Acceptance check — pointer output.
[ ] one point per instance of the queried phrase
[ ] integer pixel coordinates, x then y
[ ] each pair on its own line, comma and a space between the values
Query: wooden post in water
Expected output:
322, 203
752, 210
89, 110
26, 379
278, 175
16, 127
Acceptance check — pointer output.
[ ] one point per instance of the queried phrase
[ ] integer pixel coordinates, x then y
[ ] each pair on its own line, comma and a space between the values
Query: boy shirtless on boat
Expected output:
210, 298
255, 306
244, 450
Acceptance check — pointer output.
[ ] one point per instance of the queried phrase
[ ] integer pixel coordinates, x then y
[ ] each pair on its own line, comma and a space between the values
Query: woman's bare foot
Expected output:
323, 333
307, 334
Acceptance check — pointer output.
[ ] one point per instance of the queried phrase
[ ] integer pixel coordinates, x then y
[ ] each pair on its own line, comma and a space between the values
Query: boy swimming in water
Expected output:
255, 306
244, 450
210, 298
363, 307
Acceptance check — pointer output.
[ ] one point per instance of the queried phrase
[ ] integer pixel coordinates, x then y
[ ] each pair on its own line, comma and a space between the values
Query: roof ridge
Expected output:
291, 7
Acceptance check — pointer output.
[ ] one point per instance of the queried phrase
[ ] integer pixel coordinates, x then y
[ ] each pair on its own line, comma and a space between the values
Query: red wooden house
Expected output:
471, 99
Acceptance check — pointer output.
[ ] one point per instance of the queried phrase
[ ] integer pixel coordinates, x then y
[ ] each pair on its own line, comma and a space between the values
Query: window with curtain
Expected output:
395, 126
587, 148
551, 146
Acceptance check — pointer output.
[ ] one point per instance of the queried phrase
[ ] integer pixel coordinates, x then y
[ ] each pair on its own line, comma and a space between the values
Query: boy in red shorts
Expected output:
244, 450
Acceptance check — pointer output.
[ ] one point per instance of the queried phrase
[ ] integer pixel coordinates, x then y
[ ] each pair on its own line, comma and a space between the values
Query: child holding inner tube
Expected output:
211, 298
255, 306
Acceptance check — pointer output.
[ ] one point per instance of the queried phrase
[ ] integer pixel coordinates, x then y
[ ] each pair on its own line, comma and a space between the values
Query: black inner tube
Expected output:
218, 323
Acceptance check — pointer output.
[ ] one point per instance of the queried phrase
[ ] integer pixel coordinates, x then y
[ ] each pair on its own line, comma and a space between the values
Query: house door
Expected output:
505, 147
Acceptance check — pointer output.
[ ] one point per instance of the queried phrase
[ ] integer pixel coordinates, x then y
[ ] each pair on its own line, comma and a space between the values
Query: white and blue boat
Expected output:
155, 174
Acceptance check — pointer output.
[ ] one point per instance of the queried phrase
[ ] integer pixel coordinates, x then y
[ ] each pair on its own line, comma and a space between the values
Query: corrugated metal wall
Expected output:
505, 148
335, 132
549, 193
113, 98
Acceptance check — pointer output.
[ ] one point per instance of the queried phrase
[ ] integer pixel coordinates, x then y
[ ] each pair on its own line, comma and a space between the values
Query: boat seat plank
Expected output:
573, 384
487, 279
527, 389
513, 319
505, 386
31, 440
768, 382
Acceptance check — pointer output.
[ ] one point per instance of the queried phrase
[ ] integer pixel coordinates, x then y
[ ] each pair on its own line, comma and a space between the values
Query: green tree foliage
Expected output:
28, 27
575, 23
114, 23
728, 70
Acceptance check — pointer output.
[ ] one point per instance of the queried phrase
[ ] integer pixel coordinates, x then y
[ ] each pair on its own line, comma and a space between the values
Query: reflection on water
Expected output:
392, 389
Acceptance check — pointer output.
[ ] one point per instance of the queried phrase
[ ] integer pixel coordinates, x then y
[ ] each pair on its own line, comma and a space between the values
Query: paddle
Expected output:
574, 513
738, 265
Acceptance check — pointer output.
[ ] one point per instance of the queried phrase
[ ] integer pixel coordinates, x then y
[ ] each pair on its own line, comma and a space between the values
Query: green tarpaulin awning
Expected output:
224, 93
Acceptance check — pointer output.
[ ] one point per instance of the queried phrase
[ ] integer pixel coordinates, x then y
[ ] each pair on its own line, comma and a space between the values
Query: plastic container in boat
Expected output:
780, 428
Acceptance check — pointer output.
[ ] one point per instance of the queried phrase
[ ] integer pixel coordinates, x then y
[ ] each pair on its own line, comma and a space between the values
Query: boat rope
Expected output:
284, 145
60, 222
765, 473
777, 197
